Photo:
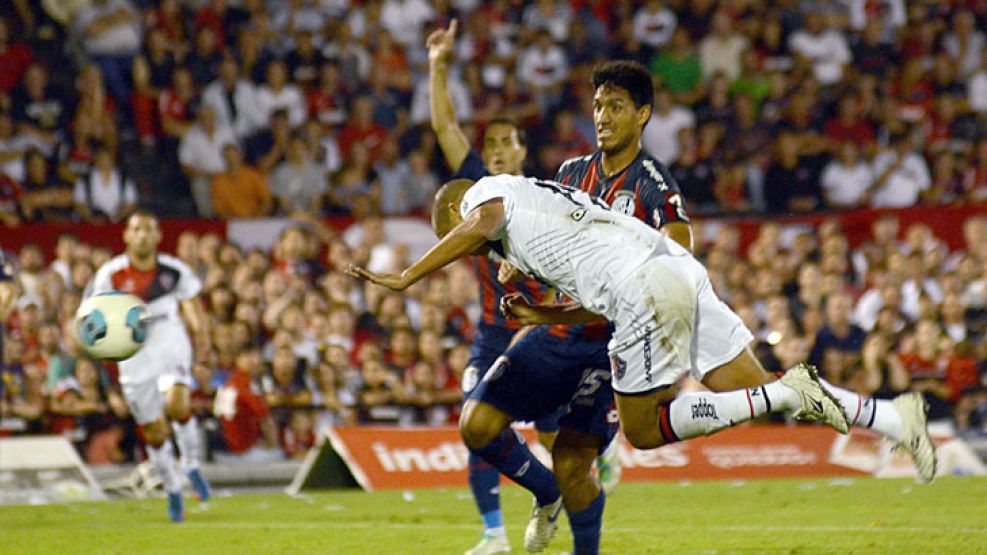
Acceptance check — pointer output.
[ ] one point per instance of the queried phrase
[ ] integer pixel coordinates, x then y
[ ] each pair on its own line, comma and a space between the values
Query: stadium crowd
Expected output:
306, 108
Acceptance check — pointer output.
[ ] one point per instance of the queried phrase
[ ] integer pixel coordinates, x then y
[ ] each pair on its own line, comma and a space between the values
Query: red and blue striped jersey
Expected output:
491, 290
644, 189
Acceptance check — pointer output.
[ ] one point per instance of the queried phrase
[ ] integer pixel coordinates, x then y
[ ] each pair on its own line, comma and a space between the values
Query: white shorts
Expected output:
670, 322
146, 399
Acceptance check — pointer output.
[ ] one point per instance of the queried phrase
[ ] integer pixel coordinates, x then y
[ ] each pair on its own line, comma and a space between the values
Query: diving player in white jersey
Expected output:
668, 319
156, 381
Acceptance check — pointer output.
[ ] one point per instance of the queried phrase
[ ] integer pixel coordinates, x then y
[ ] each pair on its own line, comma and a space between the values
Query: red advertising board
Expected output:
396, 458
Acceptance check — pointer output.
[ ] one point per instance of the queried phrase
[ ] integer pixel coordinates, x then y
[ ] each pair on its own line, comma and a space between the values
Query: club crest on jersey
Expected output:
167, 281
624, 202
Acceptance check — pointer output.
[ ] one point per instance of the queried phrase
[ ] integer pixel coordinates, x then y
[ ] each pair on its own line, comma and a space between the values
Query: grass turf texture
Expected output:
781, 516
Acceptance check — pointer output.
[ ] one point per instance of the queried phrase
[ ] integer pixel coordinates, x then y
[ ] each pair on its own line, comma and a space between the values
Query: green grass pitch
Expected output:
782, 516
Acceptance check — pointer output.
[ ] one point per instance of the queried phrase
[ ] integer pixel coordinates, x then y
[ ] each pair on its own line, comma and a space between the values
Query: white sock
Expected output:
164, 460
867, 412
187, 437
698, 414
498, 532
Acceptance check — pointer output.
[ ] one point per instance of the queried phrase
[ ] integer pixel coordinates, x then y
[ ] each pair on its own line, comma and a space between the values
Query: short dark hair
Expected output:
521, 137
630, 76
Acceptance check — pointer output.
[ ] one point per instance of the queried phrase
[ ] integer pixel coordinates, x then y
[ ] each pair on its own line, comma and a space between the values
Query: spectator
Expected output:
240, 191
679, 67
305, 61
109, 31
790, 185
13, 146
846, 180
823, 48
849, 127
201, 157
404, 19
543, 67
975, 177
106, 193
721, 50
234, 99
351, 56
327, 102
361, 128
838, 337
285, 387
965, 43
277, 93
549, 15
901, 175
654, 24
244, 416
203, 62
393, 175
43, 195
40, 109
298, 184
15, 57
661, 135
977, 88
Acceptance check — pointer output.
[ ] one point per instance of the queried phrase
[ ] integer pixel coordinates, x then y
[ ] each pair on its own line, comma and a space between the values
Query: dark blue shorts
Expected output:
543, 376
490, 343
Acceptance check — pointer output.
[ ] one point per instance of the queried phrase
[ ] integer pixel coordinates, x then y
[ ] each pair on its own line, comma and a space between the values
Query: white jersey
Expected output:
568, 239
167, 346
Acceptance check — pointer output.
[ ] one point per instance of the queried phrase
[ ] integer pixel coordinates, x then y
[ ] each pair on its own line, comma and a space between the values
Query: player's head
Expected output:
142, 234
445, 209
622, 102
504, 148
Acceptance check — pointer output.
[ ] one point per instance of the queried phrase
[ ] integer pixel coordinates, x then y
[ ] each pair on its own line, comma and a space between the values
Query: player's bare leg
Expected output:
159, 450
659, 417
573, 457
486, 431
178, 408
902, 421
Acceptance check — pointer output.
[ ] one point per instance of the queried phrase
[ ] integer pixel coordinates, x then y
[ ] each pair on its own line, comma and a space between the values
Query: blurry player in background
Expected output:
504, 151
156, 381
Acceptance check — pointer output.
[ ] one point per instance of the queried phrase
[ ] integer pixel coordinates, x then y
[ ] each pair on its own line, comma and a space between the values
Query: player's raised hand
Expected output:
440, 42
395, 282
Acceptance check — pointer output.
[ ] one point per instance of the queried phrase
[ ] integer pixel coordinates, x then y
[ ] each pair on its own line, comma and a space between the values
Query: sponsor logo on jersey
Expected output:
702, 409
624, 202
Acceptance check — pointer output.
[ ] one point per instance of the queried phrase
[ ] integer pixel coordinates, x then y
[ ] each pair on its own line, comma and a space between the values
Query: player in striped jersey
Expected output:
156, 381
503, 151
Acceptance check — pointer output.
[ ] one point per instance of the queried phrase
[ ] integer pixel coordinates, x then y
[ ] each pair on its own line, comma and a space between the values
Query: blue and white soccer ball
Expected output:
112, 325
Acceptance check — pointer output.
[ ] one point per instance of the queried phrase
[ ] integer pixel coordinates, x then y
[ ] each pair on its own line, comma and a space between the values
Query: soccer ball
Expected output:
112, 325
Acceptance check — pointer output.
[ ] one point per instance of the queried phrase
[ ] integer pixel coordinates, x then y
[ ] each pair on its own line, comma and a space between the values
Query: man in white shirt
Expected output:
201, 156
543, 67
404, 19
105, 193
110, 32
977, 88
845, 180
720, 51
825, 48
654, 24
278, 93
661, 136
901, 175
234, 100
965, 44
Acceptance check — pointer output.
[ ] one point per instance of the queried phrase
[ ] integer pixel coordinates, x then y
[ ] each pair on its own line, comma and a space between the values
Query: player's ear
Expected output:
643, 115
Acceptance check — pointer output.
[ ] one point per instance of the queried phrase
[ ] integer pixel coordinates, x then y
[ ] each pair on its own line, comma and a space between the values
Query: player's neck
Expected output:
143, 263
613, 164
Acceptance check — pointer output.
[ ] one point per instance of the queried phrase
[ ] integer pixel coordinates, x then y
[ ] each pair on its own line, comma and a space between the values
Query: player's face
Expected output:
618, 122
142, 235
502, 149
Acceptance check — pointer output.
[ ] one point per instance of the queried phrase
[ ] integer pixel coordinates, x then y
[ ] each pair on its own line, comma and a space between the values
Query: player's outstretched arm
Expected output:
480, 225
451, 139
516, 307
